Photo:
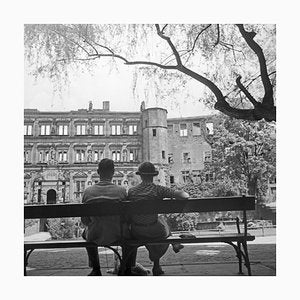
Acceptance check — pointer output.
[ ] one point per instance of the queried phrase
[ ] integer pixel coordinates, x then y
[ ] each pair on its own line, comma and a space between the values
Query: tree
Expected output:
217, 56
243, 155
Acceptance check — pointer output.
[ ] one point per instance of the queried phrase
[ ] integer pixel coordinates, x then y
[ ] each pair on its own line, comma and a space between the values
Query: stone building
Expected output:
62, 149
188, 147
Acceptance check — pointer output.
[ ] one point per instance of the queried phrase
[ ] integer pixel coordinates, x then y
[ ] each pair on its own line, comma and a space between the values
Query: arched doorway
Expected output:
51, 196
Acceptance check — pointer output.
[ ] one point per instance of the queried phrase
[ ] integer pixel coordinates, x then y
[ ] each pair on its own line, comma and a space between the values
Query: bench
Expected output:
237, 240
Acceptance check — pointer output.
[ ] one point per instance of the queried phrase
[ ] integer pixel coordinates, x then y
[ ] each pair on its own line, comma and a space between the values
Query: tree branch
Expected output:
218, 36
68, 39
268, 100
174, 50
246, 92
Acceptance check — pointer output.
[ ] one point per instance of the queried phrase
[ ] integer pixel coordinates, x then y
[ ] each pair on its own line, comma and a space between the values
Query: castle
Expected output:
62, 149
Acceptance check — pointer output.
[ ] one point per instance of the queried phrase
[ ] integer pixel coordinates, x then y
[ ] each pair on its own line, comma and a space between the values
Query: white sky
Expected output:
107, 85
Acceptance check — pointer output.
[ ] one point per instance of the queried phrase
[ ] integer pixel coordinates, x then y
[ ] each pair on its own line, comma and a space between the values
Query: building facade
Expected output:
62, 149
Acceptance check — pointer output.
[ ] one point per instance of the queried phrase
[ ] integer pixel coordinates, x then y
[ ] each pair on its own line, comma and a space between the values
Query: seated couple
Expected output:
106, 230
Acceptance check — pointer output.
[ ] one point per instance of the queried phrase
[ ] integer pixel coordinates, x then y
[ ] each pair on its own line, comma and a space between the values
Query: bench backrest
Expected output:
107, 208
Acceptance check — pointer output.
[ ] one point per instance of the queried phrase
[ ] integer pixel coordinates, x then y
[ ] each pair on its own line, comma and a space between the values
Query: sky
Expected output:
106, 84
115, 87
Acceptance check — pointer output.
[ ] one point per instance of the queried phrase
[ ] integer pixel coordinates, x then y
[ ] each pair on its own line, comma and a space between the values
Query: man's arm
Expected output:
166, 192
181, 195
85, 220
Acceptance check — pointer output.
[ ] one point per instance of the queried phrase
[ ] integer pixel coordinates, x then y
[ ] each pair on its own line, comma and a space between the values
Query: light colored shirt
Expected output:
103, 230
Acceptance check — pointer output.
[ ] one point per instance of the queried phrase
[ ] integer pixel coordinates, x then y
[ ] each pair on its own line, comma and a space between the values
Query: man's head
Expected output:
106, 169
147, 171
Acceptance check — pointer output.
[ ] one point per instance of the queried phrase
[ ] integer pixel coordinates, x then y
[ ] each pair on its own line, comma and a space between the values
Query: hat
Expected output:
147, 168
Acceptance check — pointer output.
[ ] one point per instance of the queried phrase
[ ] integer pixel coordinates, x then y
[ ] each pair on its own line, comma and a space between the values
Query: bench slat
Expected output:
82, 243
236, 203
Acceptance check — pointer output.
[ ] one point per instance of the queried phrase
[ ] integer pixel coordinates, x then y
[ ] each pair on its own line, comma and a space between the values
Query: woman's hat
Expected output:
147, 168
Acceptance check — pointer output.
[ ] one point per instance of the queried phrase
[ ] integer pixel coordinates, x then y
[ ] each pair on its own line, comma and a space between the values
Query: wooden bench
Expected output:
237, 240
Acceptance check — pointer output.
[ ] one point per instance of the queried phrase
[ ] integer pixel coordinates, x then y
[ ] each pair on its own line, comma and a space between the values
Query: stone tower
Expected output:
155, 140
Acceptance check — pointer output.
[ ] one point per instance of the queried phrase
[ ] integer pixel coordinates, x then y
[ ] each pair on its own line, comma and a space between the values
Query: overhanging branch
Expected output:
268, 100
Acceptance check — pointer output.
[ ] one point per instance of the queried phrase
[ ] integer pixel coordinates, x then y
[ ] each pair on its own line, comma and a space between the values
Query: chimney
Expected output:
90, 105
106, 105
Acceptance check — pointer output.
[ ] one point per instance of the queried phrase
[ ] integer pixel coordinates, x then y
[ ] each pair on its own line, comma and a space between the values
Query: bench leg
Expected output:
25, 262
26, 256
239, 256
246, 256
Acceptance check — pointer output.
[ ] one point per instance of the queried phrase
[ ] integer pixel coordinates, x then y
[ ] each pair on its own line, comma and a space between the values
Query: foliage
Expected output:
243, 162
235, 63
244, 153
29, 222
63, 228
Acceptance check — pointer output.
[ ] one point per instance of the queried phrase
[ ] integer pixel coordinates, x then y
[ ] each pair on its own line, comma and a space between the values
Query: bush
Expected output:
63, 228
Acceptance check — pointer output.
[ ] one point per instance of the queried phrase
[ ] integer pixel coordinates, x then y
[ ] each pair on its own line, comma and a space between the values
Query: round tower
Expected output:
155, 139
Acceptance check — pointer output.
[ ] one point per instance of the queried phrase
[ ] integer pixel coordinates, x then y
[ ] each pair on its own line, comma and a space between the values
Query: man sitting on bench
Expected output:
152, 227
103, 230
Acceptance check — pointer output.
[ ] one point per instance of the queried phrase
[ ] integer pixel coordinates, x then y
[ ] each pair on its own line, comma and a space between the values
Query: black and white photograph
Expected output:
150, 149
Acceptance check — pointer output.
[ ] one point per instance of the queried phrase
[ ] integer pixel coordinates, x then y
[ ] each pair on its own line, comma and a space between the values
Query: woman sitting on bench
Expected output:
152, 226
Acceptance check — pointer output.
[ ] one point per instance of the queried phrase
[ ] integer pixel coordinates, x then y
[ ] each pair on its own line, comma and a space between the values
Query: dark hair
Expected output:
106, 167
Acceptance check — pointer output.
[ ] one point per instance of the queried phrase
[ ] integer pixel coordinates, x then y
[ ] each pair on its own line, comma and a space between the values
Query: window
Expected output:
46, 156
27, 129
171, 179
62, 156
154, 132
170, 129
183, 130
115, 129
98, 129
210, 128
80, 155
26, 156
45, 129
207, 156
170, 158
209, 177
79, 188
196, 175
133, 155
116, 155
132, 129
163, 154
65, 156
96, 156
186, 158
185, 176
40, 156
62, 129
196, 129
43, 156
80, 129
